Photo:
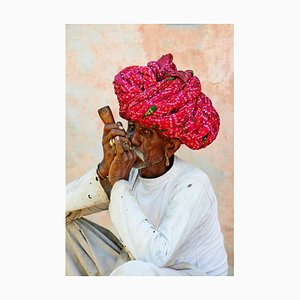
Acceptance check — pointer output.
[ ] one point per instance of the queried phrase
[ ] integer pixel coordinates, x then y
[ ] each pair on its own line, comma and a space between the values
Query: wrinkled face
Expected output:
149, 142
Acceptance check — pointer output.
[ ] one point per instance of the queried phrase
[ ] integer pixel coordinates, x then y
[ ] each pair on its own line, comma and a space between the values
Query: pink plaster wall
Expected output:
95, 53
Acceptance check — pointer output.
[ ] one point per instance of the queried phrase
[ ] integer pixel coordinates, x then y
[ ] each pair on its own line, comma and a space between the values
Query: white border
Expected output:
33, 137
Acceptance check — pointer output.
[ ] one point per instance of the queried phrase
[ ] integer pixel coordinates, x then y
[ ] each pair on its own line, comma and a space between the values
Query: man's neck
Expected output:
156, 170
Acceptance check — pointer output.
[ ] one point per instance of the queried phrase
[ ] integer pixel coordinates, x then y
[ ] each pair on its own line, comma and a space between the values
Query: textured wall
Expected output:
95, 53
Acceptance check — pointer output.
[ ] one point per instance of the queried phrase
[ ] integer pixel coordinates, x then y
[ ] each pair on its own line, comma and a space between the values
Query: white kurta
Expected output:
170, 221
169, 224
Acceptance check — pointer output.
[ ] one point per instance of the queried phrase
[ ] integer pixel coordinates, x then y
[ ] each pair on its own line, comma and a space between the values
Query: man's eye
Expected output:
147, 131
130, 128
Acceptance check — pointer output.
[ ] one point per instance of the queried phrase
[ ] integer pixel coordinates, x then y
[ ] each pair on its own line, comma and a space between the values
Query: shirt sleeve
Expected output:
189, 205
84, 196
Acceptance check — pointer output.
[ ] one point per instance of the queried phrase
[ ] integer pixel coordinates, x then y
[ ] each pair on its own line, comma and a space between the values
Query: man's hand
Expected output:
121, 164
110, 131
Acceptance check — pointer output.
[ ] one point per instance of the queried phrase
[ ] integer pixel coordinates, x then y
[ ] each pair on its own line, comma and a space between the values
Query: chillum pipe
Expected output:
107, 117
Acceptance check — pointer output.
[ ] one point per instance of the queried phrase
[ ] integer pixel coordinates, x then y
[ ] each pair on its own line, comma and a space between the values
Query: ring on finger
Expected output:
112, 142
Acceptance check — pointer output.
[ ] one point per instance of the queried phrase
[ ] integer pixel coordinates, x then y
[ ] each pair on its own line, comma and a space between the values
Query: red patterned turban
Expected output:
170, 101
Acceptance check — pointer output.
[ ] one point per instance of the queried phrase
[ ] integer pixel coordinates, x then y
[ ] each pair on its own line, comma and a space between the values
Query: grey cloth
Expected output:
92, 249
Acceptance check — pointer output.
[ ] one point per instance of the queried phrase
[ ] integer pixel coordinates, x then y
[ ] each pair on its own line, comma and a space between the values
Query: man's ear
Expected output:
172, 146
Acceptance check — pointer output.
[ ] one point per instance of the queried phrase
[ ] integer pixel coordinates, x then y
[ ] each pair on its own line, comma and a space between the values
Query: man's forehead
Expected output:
139, 125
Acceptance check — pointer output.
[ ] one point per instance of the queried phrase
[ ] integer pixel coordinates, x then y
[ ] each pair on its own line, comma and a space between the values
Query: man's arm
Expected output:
84, 196
91, 192
189, 206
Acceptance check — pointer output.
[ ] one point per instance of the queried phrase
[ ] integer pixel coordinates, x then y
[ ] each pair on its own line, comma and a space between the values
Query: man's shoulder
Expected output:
194, 180
188, 172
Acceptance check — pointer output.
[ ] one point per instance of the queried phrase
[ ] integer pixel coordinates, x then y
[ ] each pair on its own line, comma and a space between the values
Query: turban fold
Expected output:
170, 101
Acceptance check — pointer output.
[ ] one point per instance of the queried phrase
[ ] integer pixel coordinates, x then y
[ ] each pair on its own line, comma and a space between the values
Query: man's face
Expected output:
149, 142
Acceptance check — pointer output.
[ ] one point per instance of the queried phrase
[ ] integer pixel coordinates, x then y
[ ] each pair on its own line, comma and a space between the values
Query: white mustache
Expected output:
138, 153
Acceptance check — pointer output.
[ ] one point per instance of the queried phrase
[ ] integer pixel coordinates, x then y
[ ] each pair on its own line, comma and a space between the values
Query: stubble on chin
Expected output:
140, 165
146, 163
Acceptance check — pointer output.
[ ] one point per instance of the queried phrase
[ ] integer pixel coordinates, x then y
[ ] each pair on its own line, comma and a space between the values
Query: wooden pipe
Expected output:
106, 115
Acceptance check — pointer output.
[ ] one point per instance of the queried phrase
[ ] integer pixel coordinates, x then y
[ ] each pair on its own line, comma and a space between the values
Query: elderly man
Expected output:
163, 209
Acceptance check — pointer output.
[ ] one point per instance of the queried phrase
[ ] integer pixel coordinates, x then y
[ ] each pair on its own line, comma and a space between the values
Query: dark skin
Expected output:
154, 146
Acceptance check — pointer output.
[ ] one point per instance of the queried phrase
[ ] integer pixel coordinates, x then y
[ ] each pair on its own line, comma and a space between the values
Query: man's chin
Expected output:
139, 165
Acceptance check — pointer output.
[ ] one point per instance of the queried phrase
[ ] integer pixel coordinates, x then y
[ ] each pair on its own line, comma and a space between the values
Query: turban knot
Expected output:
170, 101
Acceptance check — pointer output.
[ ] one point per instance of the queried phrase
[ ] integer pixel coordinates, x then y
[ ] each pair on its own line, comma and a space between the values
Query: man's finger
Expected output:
112, 134
124, 140
108, 127
132, 156
120, 125
119, 147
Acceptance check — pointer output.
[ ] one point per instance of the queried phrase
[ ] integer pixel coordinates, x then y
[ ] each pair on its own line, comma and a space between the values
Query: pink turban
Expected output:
170, 101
